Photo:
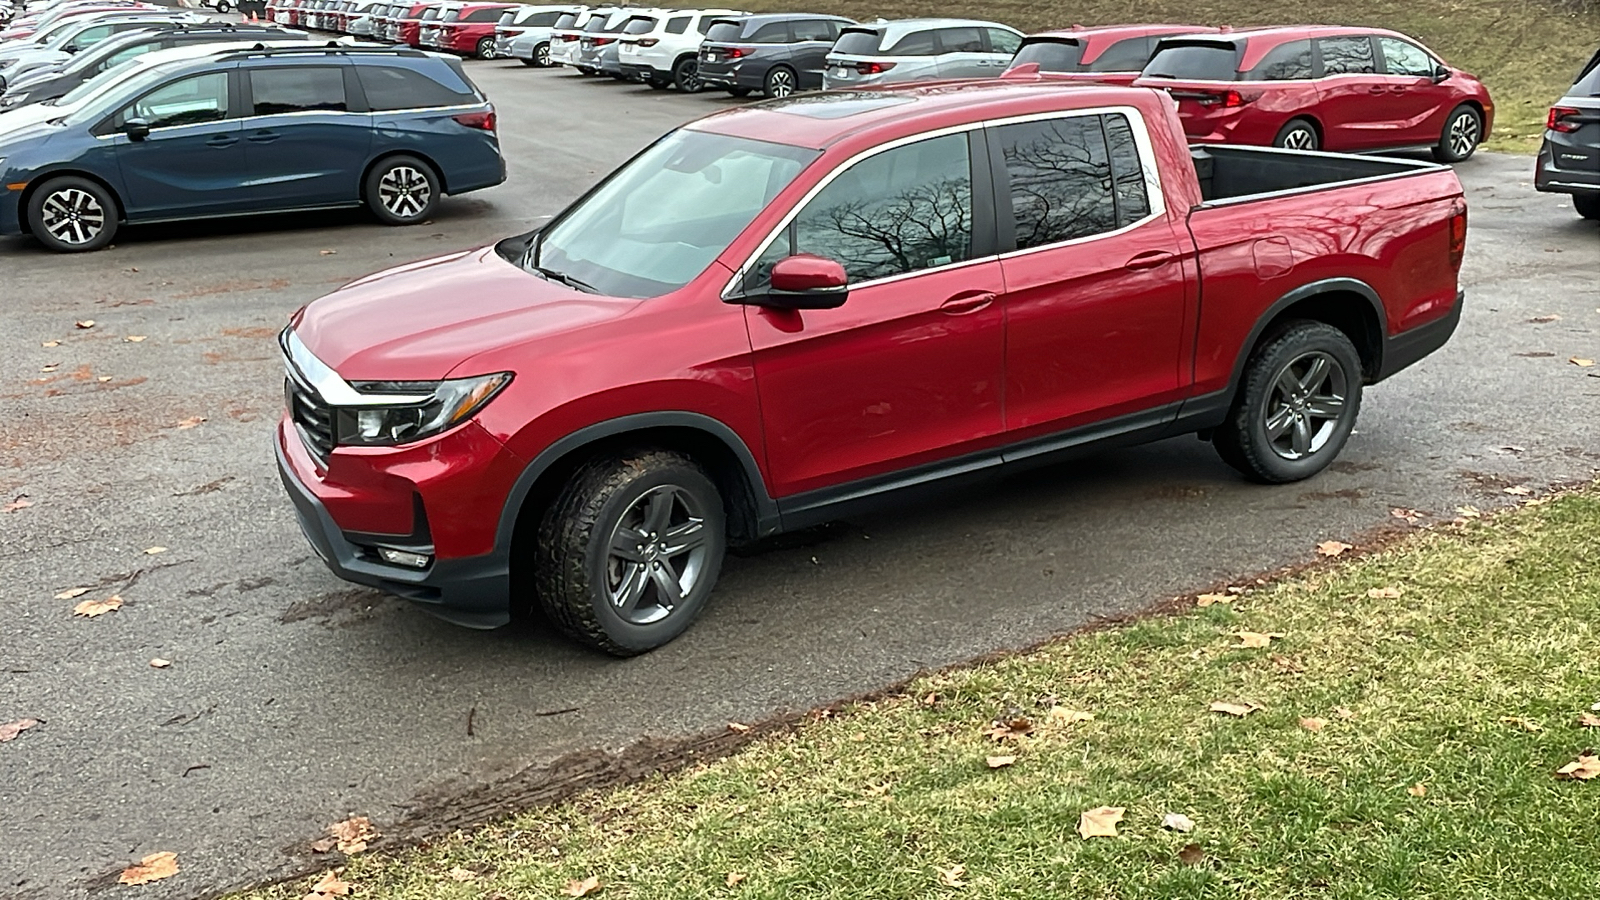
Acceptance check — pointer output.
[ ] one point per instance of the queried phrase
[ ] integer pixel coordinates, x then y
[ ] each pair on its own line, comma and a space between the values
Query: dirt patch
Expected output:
230, 287
252, 333
336, 608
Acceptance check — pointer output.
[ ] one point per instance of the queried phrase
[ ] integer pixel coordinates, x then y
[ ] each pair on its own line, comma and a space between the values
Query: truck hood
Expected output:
419, 321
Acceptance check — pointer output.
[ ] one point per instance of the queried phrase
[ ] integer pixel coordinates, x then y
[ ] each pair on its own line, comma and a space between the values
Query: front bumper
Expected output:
1551, 178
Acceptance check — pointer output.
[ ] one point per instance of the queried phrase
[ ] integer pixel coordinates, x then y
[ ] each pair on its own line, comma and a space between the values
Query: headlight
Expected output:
448, 403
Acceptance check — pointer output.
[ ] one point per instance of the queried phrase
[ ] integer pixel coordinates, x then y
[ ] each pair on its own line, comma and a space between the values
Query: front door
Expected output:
908, 371
192, 161
303, 145
1415, 103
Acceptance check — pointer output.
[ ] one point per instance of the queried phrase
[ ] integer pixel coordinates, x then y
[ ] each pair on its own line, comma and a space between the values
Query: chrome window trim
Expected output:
1141, 139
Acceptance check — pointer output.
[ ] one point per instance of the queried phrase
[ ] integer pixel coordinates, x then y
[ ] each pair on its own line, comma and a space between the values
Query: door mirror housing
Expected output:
136, 129
805, 282
1441, 74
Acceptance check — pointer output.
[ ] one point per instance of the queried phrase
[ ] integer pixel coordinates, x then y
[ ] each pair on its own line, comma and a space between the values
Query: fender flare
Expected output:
1325, 286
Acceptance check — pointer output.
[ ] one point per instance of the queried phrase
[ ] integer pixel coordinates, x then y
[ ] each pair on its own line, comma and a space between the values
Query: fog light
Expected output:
403, 558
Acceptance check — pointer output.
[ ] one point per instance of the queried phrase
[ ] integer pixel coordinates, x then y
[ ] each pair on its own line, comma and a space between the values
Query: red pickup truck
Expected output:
778, 314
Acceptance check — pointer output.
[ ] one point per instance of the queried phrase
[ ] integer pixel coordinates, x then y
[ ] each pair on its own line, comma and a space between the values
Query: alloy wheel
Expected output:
1306, 404
780, 83
541, 54
1464, 133
656, 555
73, 216
404, 191
1301, 138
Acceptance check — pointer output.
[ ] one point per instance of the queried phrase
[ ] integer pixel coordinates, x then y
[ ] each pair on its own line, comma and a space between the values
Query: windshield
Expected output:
1194, 62
858, 43
1052, 56
660, 220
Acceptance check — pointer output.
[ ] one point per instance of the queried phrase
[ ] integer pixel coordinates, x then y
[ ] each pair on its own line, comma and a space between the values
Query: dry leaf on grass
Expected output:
1588, 720
1252, 639
1385, 593
1205, 600
1343, 712
1010, 726
582, 887
1585, 767
1517, 490
1234, 709
1469, 512
331, 885
1287, 664
353, 834
22, 502
1191, 855
734, 878
1064, 716
10, 730
1177, 822
154, 867
1580, 362
91, 608
1100, 822
738, 727
1000, 762
1418, 790
951, 877
1333, 548
1312, 723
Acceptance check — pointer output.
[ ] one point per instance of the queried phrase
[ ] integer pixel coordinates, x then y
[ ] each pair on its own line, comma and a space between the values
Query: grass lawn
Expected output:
1526, 51
1410, 714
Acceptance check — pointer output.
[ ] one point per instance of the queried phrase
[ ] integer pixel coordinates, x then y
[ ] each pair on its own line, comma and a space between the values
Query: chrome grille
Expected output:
312, 417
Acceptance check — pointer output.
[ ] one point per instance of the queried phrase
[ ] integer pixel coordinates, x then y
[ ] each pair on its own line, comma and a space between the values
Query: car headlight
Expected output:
446, 404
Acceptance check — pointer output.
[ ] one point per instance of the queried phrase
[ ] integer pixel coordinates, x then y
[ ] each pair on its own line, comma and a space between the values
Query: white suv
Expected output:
566, 34
662, 46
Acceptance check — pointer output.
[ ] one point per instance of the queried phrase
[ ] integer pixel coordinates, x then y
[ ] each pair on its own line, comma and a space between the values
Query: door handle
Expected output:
968, 302
1376, 89
1150, 259
222, 140
263, 137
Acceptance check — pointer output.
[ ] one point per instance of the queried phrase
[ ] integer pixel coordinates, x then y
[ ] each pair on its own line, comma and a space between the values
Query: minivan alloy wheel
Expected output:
541, 55
780, 83
73, 216
404, 191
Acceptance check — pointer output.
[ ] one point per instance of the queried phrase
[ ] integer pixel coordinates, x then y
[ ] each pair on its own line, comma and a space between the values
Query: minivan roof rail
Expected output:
269, 50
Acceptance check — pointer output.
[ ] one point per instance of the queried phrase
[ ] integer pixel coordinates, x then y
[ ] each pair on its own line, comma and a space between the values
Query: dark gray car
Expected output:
1569, 159
776, 54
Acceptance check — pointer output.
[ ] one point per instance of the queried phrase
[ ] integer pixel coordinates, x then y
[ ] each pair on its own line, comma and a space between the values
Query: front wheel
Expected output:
1299, 134
1587, 205
223, 6
1463, 130
402, 190
1296, 406
72, 215
630, 550
686, 75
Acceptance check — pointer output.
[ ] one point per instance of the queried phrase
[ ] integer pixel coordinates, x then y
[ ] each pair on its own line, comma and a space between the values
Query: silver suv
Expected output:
919, 50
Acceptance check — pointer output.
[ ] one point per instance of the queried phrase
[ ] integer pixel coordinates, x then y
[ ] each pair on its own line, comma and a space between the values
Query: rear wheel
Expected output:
630, 550
1587, 205
486, 48
780, 82
72, 215
686, 75
541, 56
1299, 134
1463, 130
402, 190
1296, 406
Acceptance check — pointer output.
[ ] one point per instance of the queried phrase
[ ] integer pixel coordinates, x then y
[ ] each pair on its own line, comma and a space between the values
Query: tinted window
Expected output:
1194, 62
1003, 41
959, 40
724, 31
1341, 56
508, 18
198, 98
429, 14
565, 20
1128, 55
917, 43
1060, 179
813, 30
393, 87
542, 20
482, 15
860, 43
122, 56
678, 24
90, 35
297, 89
639, 25
595, 24
1284, 62
1051, 56
1133, 202
902, 210
1405, 58
450, 16
771, 33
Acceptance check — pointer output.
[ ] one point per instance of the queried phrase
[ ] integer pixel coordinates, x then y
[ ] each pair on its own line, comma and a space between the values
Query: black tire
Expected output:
223, 6
780, 82
1587, 205
1463, 132
529, 63
1246, 442
740, 92
1298, 134
72, 215
579, 578
541, 56
686, 75
401, 190
659, 84
485, 48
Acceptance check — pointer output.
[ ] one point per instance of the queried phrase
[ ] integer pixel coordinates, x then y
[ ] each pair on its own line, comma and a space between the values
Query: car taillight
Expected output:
601, 42
1226, 100
1458, 238
735, 52
873, 68
1557, 120
479, 120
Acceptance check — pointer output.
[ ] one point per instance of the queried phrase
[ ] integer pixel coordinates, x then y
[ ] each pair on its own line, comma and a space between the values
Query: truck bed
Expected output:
1233, 174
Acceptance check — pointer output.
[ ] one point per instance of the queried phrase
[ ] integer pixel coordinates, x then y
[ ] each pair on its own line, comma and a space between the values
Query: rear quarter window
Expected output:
858, 43
771, 33
397, 87
1194, 62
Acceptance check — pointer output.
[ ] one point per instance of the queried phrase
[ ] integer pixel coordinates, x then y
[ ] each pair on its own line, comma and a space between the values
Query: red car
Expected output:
470, 29
781, 313
1321, 88
411, 22
1112, 54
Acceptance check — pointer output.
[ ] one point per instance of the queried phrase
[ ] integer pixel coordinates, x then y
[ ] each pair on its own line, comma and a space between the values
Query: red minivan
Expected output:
1321, 88
411, 22
1109, 54
470, 29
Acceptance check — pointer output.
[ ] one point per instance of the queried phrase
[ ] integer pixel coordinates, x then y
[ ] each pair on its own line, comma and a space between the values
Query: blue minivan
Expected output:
248, 130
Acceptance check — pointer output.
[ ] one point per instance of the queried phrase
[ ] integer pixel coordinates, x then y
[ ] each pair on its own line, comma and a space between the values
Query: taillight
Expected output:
649, 42
1226, 100
480, 120
1558, 119
601, 42
873, 68
735, 52
1458, 238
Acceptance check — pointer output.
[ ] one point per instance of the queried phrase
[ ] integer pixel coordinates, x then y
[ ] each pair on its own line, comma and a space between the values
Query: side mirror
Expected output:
805, 282
136, 129
1440, 74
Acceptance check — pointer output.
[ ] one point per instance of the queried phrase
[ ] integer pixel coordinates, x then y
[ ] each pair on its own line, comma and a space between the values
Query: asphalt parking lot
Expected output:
294, 700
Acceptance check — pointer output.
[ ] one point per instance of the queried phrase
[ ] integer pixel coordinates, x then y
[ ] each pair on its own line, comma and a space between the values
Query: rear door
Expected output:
812, 40
1351, 93
963, 54
308, 134
192, 162
1097, 301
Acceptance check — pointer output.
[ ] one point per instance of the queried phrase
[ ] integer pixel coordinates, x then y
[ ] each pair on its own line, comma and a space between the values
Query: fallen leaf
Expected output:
1191, 855
460, 874
1069, 716
190, 422
86, 323
10, 730
1251, 639
734, 878
1410, 516
71, 593
50, 368
739, 727
323, 845
1100, 822
1205, 600
1468, 512
1588, 720
103, 379
134, 338
1585, 767
1177, 822
1517, 490
583, 888
1000, 762
353, 834
330, 253
1520, 722
1540, 320
1580, 362
1312, 723
1385, 593
159, 663
1343, 712
51, 344
91, 608
1234, 709
1333, 548
152, 551
22, 502
331, 885
931, 700
1418, 790
951, 877
154, 867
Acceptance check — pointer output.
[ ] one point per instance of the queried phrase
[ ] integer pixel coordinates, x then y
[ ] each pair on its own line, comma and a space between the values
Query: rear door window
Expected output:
288, 89
917, 43
1285, 62
959, 40
1347, 55
1194, 61
858, 43
1051, 56
678, 24
1405, 58
1061, 185
812, 30
395, 87
1126, 55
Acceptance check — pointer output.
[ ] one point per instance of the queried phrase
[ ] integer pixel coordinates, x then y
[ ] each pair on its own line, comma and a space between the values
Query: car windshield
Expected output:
661, 219
1194, 62
857, 43
1051, 56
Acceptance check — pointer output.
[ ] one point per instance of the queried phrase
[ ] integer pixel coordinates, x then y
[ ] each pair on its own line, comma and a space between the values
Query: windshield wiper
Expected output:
566, 279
